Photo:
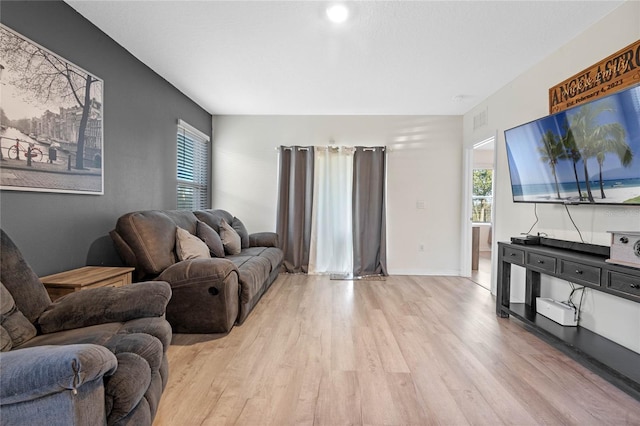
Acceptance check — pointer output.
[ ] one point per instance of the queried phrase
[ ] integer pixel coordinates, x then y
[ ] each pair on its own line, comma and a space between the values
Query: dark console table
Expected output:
577, 263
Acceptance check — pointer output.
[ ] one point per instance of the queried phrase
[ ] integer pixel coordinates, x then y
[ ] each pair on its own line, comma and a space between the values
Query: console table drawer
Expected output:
623, 283
540, 261
578, 272
513, 255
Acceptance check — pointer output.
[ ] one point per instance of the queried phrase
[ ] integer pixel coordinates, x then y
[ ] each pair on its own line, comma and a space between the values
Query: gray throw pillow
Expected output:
210, 238
189, 246
230, 238
13, 322
242, 232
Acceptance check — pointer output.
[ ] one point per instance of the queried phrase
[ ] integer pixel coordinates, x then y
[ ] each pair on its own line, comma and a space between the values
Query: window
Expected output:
192, 168
482, 199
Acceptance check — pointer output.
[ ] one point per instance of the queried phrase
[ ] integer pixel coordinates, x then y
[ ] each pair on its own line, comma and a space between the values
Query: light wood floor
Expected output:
482, 275
405, 351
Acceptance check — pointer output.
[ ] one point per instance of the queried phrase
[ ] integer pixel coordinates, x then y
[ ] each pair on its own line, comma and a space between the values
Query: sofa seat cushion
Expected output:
272, 254
95, 334
253, 272
101, 334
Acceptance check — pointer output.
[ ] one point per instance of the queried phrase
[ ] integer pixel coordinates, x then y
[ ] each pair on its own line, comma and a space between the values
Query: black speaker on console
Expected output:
576, 246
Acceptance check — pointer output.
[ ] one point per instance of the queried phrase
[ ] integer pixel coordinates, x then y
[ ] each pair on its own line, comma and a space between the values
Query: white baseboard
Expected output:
434, 272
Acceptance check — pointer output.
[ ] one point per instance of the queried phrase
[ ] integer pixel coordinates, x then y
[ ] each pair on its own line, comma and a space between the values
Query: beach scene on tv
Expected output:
586, 154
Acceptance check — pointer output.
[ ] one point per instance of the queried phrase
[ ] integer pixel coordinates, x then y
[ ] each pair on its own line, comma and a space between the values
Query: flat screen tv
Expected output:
588, 154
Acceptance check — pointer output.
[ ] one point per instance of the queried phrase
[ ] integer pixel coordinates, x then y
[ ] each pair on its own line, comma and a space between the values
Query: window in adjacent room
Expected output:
482, 200
192, 168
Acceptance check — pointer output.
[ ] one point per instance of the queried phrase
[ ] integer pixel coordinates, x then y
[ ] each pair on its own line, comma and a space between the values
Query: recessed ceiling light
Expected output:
338, 13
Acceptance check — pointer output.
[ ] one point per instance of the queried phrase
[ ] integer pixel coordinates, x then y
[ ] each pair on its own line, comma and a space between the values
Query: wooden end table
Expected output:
63, 283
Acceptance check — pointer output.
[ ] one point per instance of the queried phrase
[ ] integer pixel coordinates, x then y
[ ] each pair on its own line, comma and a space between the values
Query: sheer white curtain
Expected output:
331, 229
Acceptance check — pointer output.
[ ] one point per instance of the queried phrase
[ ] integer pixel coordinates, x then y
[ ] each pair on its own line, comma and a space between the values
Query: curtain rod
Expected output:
366, 148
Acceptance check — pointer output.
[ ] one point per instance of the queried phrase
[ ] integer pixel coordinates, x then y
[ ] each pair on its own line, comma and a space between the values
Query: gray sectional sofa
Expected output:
209, 295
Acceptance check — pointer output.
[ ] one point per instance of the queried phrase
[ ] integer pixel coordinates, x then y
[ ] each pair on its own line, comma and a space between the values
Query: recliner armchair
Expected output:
92, 357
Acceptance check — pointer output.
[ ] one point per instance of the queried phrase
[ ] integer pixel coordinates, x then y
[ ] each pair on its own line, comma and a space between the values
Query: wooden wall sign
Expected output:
620, 70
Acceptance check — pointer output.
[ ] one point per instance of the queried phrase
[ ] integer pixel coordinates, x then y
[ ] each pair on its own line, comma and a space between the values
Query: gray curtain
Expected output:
369, 228
295, 201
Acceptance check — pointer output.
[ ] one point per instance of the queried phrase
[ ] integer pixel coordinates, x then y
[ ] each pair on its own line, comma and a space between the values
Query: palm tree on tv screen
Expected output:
596, 140
551, 152
617, 145
572, 153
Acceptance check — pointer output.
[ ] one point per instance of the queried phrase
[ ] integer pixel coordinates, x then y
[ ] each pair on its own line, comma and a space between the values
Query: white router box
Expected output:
556, 311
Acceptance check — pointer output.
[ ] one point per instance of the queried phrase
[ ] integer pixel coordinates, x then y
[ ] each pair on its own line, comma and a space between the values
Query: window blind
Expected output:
192, 168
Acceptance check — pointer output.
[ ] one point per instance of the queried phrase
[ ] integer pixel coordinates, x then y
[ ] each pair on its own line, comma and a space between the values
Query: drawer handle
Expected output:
578, 271
635, 285
512, 254
541, 261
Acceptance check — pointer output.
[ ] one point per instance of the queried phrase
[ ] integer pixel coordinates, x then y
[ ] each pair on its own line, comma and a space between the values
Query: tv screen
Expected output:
587, 154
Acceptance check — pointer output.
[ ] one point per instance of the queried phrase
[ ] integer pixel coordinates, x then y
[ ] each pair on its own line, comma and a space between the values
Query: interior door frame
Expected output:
466, 219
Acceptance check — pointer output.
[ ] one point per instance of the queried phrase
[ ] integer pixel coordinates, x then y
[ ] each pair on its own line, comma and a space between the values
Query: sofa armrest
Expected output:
191, 271
106, 304
32, 373
205, 295
263, 239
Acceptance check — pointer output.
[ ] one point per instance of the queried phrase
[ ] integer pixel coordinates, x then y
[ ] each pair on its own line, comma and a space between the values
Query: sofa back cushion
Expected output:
25, 287
213, 217
151, 237
184, 219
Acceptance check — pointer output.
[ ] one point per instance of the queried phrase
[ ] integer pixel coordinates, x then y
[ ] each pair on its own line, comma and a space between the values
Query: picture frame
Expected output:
51, 121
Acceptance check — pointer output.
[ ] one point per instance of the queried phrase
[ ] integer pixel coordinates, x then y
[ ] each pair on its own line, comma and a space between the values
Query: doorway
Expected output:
481, 203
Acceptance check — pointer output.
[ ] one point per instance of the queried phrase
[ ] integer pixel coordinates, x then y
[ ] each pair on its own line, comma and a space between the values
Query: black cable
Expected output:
535, 212
570, 300
574, 224
580, 306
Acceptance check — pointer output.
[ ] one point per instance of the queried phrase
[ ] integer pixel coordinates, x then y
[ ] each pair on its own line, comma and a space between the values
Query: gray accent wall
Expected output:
56, 232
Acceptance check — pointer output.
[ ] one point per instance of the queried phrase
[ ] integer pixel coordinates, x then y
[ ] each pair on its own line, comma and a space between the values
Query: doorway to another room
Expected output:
482, 212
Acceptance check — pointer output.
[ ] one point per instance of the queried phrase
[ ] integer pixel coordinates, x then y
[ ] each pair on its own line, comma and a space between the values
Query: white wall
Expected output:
525, 99
424, 164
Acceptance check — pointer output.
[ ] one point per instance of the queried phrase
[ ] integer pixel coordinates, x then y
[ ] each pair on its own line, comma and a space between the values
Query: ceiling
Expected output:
390, 57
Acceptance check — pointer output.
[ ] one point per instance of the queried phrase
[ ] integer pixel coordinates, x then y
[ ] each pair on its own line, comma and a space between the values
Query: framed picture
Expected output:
51, 126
